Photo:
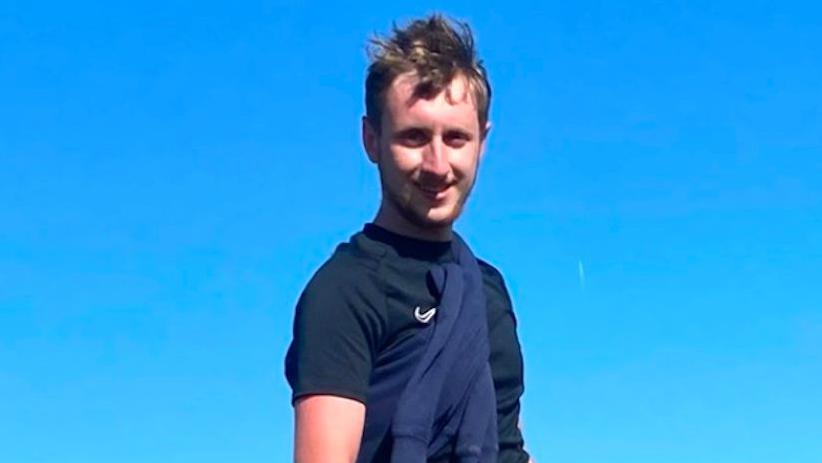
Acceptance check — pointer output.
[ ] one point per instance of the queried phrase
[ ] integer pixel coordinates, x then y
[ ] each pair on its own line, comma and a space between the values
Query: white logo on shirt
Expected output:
424, 317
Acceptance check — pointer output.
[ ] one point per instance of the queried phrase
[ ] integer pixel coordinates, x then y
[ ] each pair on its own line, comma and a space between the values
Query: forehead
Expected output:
454, 105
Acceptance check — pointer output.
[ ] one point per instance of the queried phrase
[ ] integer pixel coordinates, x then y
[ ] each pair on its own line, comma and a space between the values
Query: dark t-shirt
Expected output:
362, 301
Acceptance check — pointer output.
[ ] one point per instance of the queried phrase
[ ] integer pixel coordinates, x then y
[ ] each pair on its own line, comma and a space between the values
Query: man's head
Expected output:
427, 100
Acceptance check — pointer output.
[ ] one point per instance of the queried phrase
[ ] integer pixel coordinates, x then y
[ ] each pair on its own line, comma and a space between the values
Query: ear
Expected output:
370, 140
484, 138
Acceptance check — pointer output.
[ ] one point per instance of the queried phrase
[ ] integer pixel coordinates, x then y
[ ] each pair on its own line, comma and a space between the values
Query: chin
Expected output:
434, 218
420, 213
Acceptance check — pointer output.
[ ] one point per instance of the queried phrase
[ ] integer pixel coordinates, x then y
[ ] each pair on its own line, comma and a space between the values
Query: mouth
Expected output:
434, 193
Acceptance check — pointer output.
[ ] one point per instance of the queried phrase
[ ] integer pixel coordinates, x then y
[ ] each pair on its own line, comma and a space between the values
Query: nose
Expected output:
435, 159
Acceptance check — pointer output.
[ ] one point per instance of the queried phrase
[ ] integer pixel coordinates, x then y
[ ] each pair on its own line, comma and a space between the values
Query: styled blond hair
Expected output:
437, 50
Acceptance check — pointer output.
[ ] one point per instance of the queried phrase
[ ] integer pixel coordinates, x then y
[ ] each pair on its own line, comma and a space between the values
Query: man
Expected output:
405, 345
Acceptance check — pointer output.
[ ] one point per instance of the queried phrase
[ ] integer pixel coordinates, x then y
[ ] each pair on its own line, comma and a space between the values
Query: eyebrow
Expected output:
420, 126
448, 130
413, 128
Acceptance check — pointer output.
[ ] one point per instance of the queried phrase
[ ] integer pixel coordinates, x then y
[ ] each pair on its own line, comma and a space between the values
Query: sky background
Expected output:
172, 173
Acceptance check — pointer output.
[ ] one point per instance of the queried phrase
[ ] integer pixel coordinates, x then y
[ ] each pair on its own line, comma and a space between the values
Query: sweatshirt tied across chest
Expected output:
432, 396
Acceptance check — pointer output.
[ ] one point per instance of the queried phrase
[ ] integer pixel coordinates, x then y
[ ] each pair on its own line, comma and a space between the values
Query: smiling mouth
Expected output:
436, 194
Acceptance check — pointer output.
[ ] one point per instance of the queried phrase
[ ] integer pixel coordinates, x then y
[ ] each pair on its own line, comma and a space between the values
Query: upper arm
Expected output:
506, 365
328, 429
329, 362
336, 329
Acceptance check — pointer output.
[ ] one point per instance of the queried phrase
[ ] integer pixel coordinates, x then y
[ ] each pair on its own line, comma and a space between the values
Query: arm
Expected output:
328, 363
328, 429
506, 366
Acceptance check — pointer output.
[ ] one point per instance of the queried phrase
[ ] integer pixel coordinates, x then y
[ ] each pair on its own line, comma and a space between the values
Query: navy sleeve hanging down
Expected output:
447, 403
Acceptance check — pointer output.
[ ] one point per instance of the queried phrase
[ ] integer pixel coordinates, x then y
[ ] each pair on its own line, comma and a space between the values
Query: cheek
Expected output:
403, 160
397, 170
466, 164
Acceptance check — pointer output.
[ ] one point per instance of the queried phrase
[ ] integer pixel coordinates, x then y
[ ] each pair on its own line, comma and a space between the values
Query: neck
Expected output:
392, 221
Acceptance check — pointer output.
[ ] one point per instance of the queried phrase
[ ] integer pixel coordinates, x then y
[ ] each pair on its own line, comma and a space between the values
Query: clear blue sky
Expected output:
171, 174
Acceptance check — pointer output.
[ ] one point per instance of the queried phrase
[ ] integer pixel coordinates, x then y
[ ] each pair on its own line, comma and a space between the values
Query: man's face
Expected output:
428, 151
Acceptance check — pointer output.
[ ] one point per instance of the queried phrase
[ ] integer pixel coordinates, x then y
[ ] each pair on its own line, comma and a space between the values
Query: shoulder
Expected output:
338, 324
490, 271
346, 291
498, 298
493, 280
343, 273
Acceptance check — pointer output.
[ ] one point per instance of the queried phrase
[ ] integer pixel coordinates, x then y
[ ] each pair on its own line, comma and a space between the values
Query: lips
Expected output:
433, 193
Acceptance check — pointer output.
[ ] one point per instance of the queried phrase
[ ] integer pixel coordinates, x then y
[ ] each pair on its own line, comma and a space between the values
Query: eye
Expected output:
413, 137
456, 138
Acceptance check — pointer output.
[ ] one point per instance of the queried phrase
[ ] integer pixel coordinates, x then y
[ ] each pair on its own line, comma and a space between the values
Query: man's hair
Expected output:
437, 50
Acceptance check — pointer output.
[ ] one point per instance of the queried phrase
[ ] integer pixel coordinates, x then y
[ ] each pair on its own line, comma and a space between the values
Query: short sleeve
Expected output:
335, 333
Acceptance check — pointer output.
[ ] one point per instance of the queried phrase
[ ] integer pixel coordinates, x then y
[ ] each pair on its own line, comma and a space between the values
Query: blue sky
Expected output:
171, 174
